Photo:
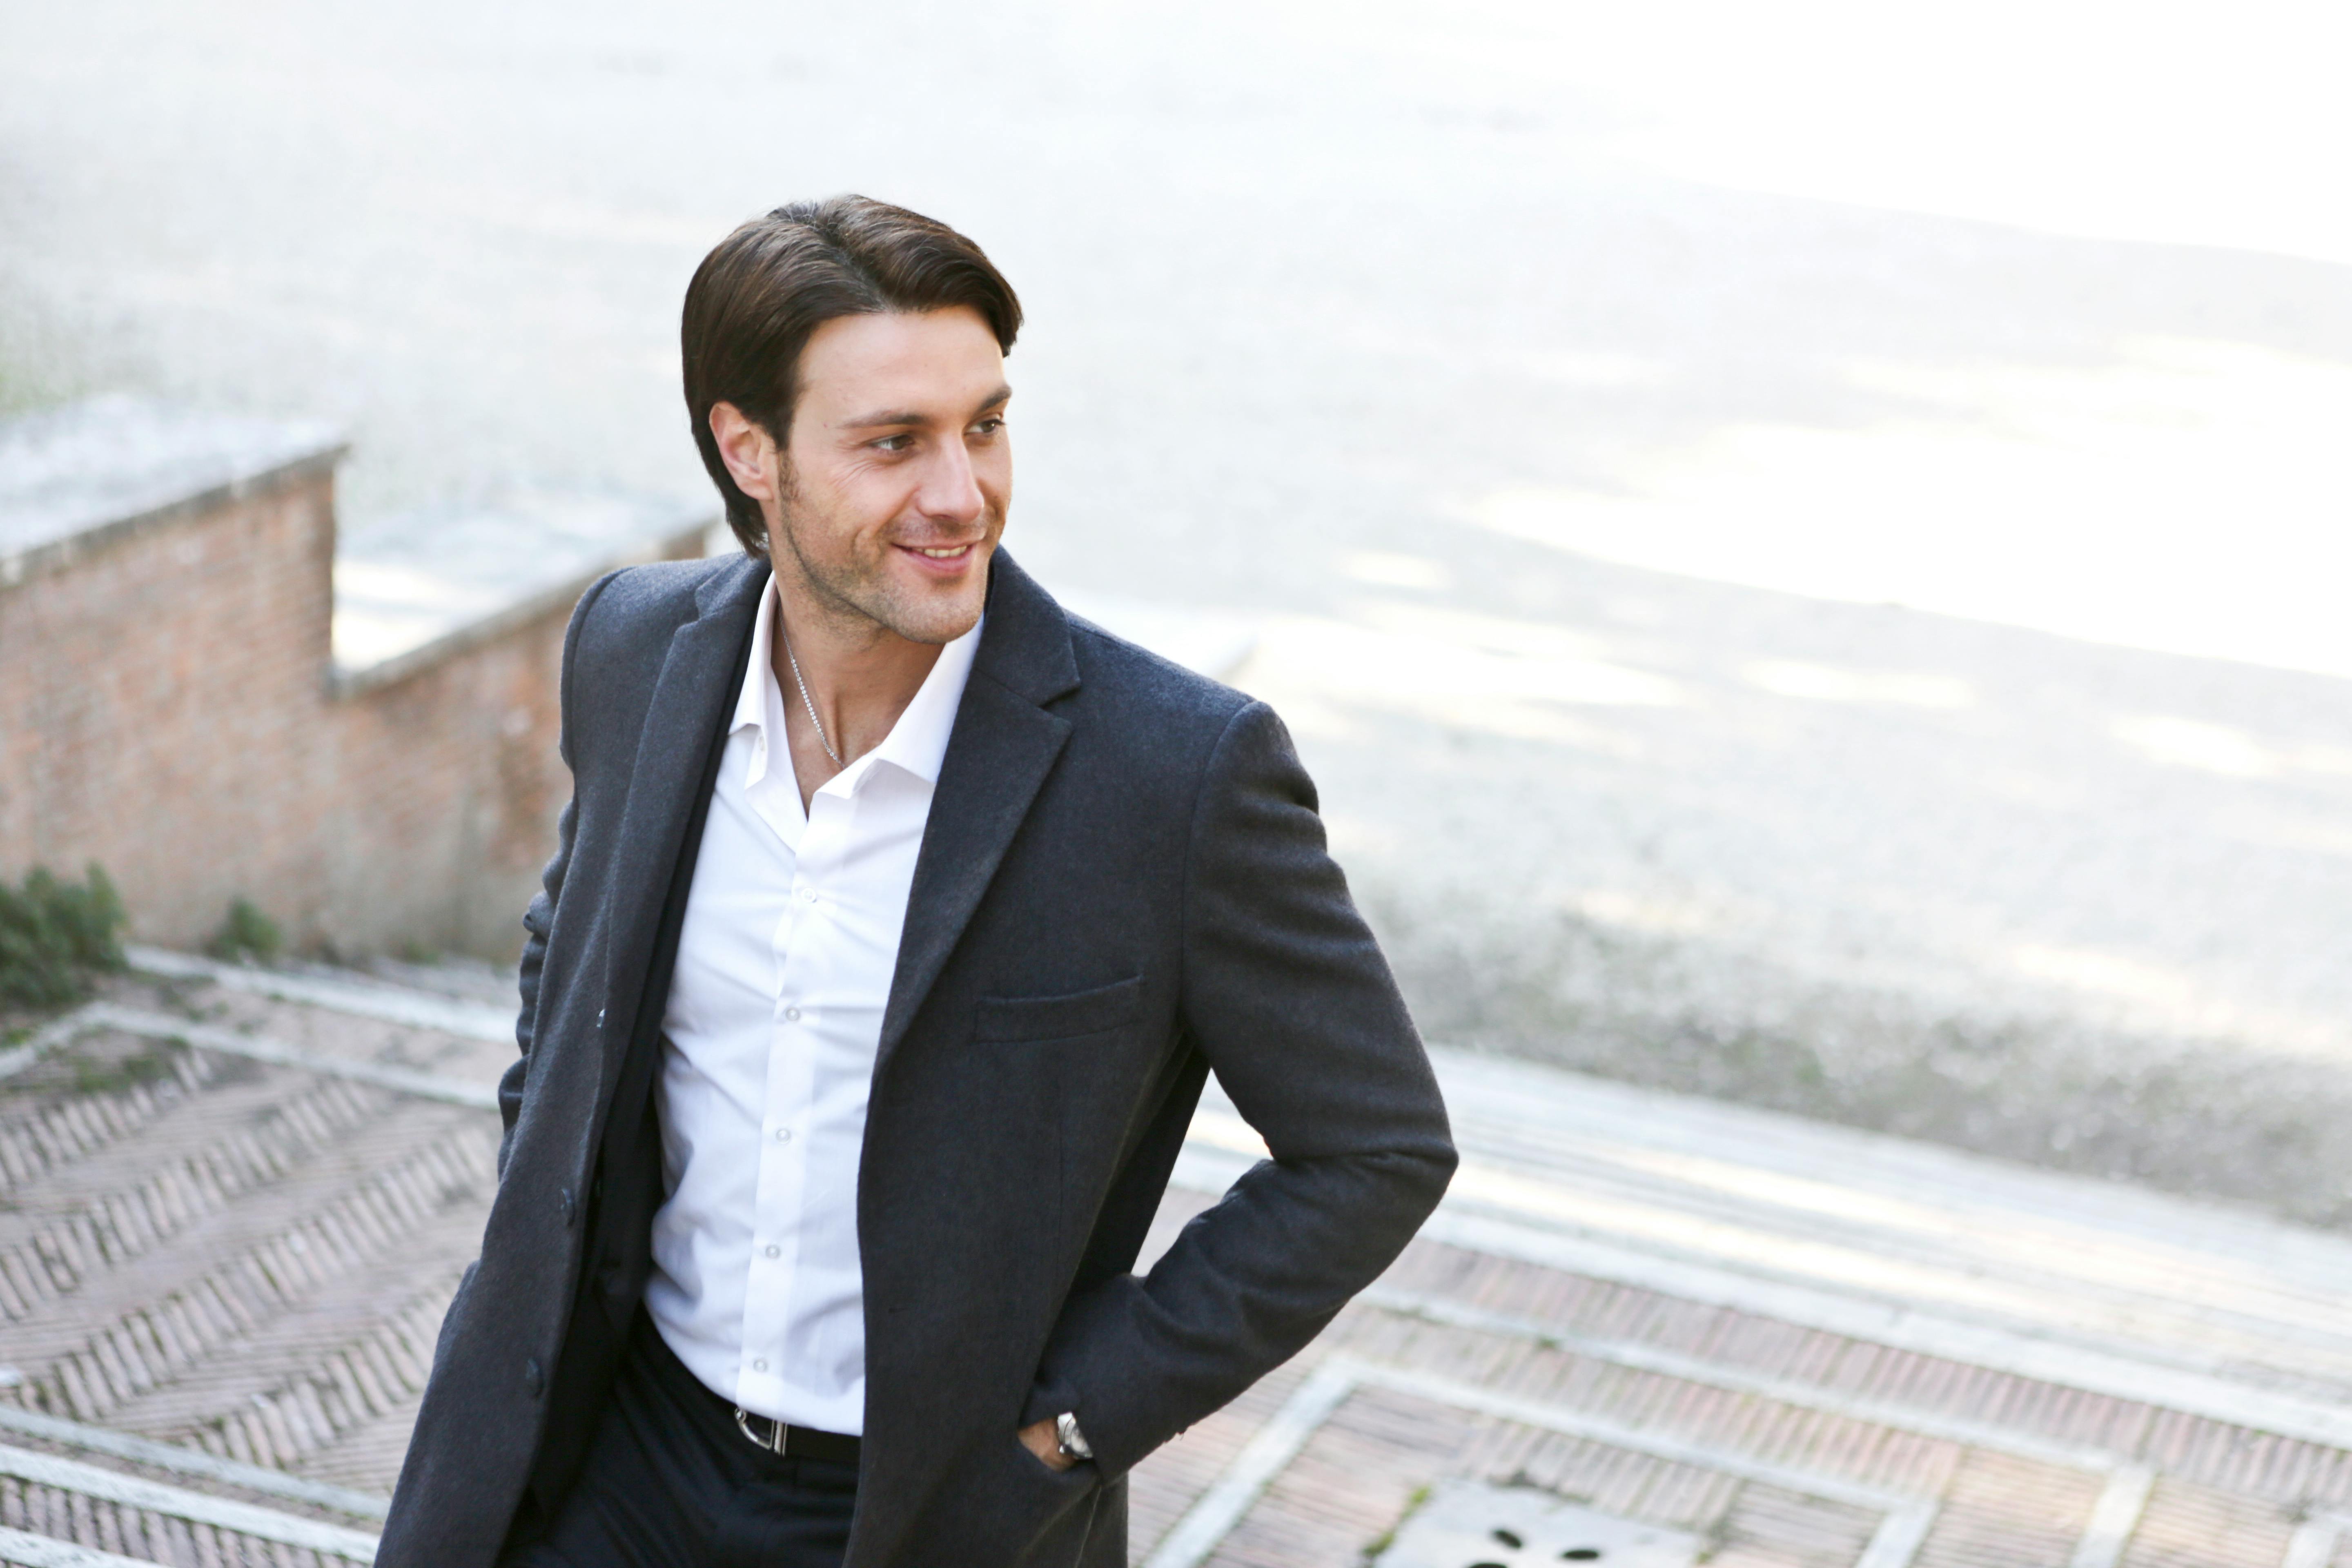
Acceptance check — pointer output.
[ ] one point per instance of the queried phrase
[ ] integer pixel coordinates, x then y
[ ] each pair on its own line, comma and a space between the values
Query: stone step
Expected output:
1659, 1187
1663, 1320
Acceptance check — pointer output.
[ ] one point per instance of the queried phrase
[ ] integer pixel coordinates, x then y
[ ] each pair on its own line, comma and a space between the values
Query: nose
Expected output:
950, 492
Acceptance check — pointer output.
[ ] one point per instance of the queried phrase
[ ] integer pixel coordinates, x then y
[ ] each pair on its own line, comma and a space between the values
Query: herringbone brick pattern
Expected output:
250, 1260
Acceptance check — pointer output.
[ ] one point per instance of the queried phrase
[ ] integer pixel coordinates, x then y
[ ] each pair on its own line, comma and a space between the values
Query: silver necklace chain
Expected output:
803, 684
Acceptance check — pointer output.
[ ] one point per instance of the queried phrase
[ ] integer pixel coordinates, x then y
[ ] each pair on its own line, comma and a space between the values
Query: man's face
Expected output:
896, 471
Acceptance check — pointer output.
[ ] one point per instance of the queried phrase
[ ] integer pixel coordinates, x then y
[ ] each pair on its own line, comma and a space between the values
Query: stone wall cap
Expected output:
414, 588
105, 462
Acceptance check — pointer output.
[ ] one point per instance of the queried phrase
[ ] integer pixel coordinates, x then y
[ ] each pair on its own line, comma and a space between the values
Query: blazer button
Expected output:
569, 1207
533, 1380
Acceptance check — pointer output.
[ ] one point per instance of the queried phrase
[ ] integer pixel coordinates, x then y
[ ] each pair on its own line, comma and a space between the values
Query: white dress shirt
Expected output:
783, 968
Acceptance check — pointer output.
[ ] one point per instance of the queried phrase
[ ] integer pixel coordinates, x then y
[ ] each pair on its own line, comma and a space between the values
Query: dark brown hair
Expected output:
765, 288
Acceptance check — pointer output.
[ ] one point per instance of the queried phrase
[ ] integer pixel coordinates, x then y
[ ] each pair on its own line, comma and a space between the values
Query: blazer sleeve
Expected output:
1286, 991
538, 920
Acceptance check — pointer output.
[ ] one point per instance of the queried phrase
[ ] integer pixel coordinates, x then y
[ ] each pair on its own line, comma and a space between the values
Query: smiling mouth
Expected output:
942, 554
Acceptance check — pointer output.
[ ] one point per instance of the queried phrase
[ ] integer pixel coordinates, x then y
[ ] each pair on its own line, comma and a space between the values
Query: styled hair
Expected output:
765, 288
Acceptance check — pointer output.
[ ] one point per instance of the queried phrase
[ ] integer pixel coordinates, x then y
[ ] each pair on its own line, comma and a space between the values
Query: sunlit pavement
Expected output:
1802, 547
237, 1201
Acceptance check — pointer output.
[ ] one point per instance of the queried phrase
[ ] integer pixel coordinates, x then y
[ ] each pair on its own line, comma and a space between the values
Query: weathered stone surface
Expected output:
172, 706
251, 1260
115, 461
420, 584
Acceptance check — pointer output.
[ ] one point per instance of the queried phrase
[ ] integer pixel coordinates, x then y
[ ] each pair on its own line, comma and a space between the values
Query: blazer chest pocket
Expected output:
1063, 1018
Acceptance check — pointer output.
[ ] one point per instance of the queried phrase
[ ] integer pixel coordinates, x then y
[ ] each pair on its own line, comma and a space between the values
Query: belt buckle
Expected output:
773, 1442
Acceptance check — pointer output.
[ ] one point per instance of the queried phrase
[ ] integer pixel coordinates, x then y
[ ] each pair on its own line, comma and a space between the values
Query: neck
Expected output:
859, 674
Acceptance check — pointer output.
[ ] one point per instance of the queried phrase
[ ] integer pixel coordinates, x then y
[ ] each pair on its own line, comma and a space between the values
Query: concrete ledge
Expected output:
417, 589
353, 682
92, 474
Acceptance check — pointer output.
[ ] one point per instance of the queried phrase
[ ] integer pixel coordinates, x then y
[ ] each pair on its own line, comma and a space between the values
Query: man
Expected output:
897, 919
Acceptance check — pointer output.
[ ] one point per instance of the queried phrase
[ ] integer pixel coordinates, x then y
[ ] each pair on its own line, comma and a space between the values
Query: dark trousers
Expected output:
671, 1482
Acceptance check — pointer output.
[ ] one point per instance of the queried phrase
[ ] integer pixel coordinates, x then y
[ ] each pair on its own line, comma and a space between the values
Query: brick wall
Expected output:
166, 710
449, 787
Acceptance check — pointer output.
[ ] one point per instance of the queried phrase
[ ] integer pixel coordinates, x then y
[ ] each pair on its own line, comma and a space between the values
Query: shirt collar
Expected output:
917, 744
760, 674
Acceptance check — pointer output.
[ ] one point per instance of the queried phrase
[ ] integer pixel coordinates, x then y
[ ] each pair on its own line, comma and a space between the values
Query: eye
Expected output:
990, 425
895, 443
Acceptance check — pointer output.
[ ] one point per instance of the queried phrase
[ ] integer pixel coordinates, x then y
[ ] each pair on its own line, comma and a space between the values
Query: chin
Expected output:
929, 610
937, 617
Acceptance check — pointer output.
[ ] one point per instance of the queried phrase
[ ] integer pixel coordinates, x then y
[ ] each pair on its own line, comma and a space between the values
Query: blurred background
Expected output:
1803, 545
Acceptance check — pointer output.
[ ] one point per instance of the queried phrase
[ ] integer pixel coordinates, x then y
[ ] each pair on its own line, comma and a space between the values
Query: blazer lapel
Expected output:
1002, 746
697, 685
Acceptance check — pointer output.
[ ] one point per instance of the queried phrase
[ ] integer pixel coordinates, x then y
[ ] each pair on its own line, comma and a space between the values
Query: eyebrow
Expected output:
913, 416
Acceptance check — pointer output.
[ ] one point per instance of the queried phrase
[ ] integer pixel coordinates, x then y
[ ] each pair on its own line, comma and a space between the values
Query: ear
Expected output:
749, 451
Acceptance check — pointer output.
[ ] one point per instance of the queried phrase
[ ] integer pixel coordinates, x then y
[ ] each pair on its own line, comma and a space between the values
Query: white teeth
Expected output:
947, 554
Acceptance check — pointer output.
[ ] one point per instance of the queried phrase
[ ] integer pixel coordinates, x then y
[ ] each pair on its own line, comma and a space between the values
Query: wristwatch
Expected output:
1070, 1440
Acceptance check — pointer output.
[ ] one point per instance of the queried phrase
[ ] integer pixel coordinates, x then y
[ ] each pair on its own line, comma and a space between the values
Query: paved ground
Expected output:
234, 1214
1569, 442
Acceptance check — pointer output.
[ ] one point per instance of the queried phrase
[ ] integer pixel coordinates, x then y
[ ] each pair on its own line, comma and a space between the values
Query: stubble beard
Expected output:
859, 598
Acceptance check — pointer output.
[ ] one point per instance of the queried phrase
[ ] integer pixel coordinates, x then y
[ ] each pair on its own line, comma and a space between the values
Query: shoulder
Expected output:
1181, 743
627, 617
1177, 736
1126, 683
620, 633
1117, 694
651, 599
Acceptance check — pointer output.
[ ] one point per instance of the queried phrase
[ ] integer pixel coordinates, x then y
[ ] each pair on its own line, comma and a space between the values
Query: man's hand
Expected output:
1040, 1439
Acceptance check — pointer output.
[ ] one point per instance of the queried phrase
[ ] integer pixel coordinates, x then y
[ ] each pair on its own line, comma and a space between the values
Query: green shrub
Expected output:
54, 935
246, 932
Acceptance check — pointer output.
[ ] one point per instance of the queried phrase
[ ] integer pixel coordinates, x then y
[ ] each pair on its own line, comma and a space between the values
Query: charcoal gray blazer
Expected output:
1123, 886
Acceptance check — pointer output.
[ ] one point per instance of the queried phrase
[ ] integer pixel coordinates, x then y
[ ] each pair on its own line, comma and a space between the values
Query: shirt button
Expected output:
759, 1366
793, 1013
808, 895
783, 1134
775, 1252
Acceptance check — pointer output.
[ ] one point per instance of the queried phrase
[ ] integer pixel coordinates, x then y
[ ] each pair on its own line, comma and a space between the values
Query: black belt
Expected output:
797, 1442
